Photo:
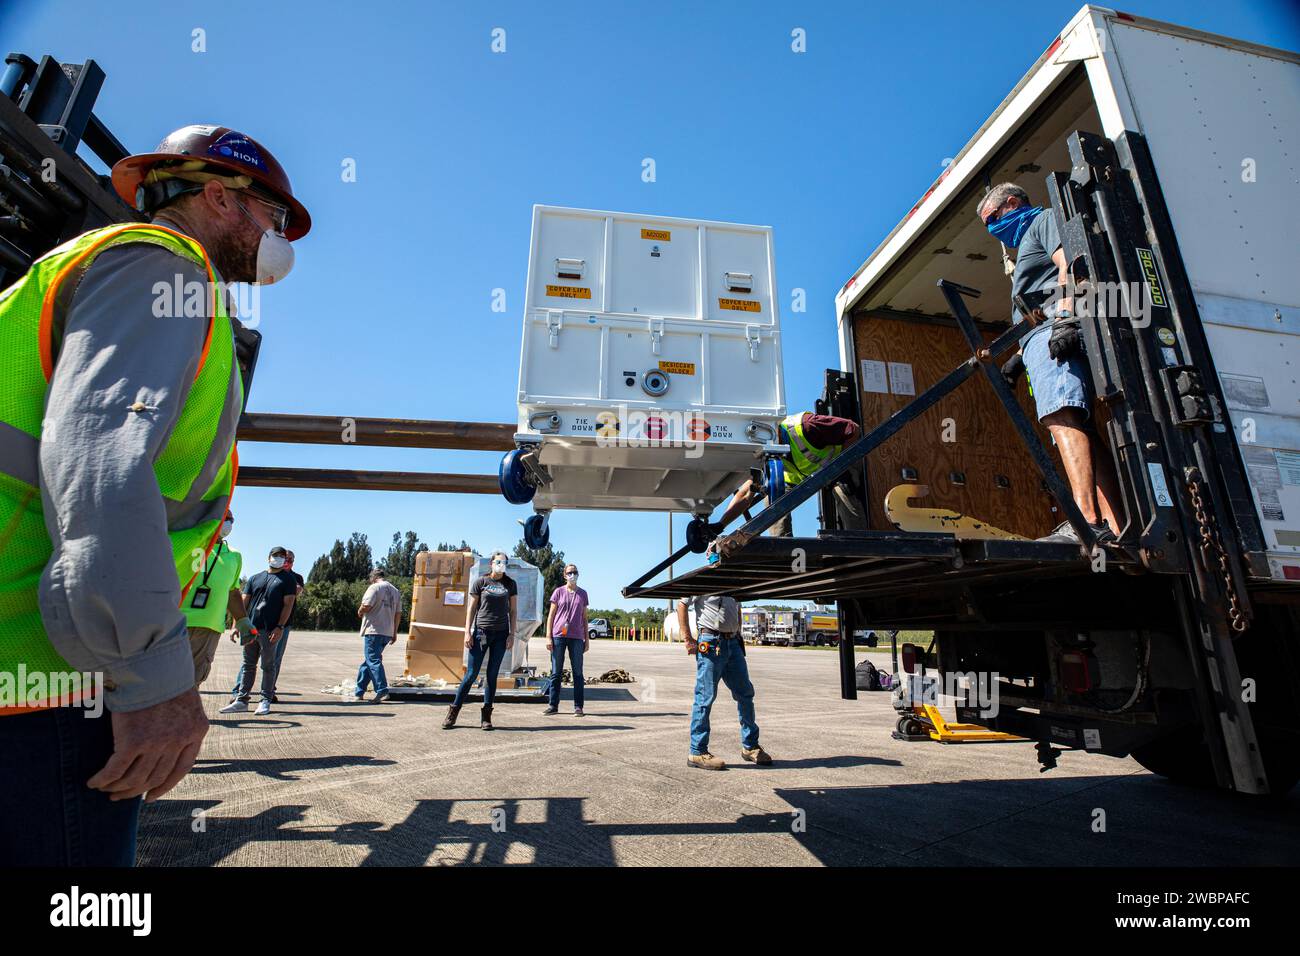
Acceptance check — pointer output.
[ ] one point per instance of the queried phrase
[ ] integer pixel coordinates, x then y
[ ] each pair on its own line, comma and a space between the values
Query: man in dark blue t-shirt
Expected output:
269, 597
1053, 354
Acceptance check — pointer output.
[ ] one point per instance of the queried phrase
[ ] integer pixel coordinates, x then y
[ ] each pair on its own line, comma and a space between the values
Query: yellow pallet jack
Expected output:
920, 720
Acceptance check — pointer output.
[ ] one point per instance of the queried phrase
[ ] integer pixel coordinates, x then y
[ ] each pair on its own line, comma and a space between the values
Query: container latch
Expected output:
656, 335
554, 322
752, 338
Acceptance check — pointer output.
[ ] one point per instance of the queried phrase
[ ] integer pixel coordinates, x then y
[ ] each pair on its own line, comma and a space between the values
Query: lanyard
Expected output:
216, 556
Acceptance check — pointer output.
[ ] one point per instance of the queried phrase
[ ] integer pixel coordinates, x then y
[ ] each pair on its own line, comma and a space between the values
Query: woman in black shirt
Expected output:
489, 631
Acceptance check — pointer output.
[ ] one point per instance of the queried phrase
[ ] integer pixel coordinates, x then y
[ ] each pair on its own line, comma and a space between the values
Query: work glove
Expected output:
246, 630
1012, 370
1065, 338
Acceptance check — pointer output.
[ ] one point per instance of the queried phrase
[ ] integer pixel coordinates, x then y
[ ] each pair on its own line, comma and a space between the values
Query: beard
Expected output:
234, 253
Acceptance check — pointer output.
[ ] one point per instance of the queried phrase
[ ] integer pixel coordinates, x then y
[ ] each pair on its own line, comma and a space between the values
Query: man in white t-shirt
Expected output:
381, 613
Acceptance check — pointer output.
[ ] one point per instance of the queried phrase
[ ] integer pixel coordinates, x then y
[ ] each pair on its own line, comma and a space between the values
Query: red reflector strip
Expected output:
1291, 572
1125, 16
1056, 44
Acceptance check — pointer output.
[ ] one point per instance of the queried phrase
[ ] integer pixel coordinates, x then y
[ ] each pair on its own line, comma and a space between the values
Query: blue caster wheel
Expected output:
537, 531
697, 535
775, 478
513, 481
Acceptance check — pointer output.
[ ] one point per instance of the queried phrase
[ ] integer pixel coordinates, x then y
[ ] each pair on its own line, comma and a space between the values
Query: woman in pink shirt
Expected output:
566, 627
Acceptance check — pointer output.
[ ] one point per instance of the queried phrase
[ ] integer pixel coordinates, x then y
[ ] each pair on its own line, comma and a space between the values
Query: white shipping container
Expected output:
650, 369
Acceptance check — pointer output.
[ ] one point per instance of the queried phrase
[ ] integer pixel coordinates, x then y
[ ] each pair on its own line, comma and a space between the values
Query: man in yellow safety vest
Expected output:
814, 440
120, 391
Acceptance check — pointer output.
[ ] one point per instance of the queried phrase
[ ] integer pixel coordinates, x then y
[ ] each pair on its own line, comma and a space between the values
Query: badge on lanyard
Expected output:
200, 599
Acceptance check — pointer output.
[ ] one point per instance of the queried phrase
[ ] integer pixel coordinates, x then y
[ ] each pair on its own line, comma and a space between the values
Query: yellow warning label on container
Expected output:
568, 292
739, 305
677, 368
658, 235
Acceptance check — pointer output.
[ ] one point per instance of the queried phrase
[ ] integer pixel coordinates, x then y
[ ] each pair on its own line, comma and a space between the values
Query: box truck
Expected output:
1169, 158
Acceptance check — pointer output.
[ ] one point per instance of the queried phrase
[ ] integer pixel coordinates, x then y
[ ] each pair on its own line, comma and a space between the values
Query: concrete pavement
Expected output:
322, 782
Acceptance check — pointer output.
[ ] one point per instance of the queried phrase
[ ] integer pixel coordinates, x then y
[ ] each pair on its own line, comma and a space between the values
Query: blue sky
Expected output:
388, 311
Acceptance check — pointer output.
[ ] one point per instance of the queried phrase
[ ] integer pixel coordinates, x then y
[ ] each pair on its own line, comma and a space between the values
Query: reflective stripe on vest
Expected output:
194, 474
803, 459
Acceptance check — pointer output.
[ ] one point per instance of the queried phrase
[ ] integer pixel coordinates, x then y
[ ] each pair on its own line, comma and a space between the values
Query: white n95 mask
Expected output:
274, 258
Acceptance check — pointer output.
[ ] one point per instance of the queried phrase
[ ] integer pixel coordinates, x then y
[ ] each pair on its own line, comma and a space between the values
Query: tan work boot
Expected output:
705, 762
758, 755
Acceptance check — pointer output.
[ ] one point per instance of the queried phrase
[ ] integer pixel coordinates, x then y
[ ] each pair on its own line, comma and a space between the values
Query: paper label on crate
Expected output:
1091, 738
1266, 479
1246, 392
874, 377
900, 378
658, 235
568, 292
454, 597
1159, 487
739, 305
677, 368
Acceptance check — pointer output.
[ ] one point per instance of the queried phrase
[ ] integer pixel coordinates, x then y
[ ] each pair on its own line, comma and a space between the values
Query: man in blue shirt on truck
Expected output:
1053, 354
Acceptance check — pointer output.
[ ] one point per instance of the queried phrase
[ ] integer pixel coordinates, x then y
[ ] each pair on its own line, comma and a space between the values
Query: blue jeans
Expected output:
280, 645
724, 661
495, 653
574, 645
372, 667
48, 816
259, 648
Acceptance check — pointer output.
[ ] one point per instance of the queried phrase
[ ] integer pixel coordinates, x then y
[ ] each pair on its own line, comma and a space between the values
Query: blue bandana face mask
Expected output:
1010, 228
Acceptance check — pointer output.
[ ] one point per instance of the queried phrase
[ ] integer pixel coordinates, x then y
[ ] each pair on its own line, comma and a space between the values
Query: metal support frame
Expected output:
382, 432
855, 454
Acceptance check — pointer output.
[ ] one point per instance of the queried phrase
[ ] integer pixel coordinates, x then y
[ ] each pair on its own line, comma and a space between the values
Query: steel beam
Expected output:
438, 483
391, 432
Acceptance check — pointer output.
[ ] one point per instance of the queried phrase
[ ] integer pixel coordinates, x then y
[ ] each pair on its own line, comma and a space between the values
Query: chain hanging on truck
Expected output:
1211, 547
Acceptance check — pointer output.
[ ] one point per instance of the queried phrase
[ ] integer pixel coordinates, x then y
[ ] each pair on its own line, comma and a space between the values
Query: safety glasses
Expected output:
279, 212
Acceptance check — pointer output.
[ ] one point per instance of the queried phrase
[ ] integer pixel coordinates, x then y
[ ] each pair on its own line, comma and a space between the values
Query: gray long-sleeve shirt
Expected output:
109, 596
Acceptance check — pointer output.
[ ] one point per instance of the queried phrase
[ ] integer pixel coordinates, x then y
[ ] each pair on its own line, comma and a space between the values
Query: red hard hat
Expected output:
222, 148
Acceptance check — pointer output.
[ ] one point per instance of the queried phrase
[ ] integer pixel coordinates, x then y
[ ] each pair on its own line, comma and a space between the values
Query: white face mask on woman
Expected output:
498, 567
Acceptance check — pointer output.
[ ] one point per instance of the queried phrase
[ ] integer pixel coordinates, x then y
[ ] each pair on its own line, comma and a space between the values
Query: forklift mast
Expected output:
1183, 482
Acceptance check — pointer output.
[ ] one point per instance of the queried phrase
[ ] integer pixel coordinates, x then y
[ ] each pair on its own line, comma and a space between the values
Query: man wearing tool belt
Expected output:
719, 656
1053, 354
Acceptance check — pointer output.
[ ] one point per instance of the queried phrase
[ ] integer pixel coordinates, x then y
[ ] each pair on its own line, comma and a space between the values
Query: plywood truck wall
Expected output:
905, 358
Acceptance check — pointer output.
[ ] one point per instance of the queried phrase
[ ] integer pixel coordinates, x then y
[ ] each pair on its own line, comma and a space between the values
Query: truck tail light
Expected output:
910, 653
1078, 671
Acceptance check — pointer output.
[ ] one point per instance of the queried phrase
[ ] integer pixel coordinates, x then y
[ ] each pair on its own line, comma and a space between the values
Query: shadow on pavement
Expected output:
1016, 822
285, 768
